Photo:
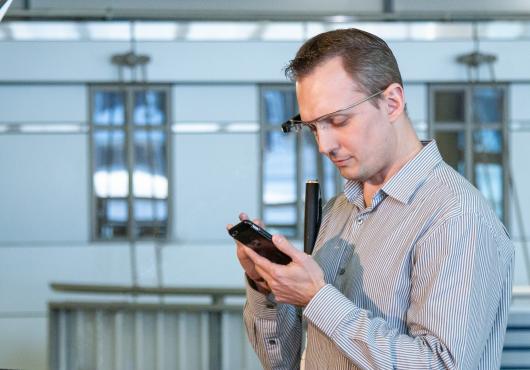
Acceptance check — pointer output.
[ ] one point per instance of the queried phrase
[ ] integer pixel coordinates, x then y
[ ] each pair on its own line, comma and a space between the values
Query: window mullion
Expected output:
469, 156
129, 134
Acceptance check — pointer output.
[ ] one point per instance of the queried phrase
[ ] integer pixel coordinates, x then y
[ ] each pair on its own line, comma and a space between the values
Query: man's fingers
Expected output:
262, 265
264, 274
258, 222
257, 259
285, 246
243, 216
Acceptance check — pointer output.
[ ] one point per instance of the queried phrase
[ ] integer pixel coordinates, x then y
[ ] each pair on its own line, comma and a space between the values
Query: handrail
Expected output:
519, 291
130, 306
143, 290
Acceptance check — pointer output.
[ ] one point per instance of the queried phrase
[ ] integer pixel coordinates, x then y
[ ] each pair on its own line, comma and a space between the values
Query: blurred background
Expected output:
132, 132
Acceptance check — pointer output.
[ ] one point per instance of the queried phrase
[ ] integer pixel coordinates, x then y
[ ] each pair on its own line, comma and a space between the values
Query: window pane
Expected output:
109, 108
487, 141
279, 168
451, 145
280, 215
157, 231
449, 106
151, 216
288, 231
149, 108
116, 210
489, 180
150, 210
110, 176
111, 218
488, 105
280, 105
488, 166
150, 168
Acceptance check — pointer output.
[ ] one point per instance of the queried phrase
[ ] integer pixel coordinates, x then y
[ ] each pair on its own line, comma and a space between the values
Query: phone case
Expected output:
259, 240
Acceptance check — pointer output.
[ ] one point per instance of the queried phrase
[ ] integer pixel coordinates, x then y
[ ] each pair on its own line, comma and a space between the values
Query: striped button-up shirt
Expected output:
421, 279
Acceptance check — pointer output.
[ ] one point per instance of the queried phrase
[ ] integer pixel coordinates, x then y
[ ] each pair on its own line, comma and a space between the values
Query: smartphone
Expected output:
255, 237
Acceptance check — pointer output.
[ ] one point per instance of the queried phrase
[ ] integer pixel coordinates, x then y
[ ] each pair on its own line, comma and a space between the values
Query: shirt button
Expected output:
270, 305
359, 221
272, 341
342, 271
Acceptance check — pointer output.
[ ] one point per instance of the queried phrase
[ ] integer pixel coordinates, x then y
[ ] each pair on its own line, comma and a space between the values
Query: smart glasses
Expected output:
296, 124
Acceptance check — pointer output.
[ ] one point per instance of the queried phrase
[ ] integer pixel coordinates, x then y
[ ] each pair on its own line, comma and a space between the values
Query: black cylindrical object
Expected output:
313, 210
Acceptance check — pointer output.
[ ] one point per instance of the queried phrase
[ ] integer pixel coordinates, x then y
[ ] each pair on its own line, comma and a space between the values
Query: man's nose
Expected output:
326, 141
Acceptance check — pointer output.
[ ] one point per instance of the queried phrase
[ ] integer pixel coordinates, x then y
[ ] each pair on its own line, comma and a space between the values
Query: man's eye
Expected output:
337, 122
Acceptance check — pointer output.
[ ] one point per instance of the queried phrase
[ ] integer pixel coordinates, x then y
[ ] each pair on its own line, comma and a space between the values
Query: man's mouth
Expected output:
340, 161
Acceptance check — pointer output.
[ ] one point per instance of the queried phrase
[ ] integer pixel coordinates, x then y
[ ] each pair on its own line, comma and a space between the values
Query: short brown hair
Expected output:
366, 57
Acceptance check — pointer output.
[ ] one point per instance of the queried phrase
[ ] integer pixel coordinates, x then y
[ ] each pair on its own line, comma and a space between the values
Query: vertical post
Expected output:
388, 6
215, 317
313, 209
54, 346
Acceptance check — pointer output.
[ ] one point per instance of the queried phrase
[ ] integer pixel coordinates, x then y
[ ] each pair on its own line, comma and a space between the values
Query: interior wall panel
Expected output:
215, 103
43, 103
216, 178
44, 188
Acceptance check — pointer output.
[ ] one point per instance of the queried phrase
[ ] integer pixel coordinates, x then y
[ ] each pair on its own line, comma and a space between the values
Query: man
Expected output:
411, 268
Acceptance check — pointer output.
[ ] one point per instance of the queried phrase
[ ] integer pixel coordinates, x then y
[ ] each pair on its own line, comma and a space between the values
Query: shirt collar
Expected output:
410, 177
353, 190
406, 181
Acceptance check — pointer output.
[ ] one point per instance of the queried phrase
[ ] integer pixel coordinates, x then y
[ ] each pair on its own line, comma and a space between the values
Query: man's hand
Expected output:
246, 262
295, 283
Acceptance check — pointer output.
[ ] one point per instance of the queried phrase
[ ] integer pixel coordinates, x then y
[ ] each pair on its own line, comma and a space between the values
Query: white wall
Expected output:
45, 178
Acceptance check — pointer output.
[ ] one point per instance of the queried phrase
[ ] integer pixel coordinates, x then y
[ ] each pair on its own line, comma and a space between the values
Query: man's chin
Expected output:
350, 173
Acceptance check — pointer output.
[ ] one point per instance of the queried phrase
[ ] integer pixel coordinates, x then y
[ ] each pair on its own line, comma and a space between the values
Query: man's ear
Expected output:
395, 101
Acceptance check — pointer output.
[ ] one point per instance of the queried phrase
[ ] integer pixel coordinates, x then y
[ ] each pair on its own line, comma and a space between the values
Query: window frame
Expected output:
470, 126
129, 130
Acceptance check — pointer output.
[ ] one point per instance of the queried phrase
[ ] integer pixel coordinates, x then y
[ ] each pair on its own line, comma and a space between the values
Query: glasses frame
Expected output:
296, 124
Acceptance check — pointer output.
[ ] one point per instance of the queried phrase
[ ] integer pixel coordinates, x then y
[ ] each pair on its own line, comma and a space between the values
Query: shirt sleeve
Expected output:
274, 330
458, 282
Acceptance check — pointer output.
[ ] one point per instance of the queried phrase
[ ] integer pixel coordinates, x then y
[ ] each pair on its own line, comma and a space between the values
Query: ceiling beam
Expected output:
234, 15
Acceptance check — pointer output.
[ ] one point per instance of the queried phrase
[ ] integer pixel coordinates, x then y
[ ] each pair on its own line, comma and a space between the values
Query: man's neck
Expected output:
372, 186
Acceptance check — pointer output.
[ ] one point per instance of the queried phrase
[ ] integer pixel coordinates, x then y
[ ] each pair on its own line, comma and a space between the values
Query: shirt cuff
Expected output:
262, 305
327, 309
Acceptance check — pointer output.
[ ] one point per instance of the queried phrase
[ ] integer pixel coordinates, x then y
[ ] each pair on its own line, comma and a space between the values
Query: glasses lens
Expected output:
298, 126
292, 126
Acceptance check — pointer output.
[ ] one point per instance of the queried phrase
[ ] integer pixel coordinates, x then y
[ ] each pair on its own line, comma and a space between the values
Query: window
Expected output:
469, 124
130, 142
288, 161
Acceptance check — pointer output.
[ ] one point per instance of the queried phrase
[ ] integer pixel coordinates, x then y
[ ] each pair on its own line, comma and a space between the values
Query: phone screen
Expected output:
259, 240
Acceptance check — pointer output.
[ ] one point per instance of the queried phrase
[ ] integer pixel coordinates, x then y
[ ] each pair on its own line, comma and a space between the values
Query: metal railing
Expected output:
132, 335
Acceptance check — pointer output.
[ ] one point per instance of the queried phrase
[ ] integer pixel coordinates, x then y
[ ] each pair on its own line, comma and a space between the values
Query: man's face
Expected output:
360, 141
